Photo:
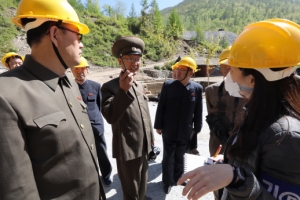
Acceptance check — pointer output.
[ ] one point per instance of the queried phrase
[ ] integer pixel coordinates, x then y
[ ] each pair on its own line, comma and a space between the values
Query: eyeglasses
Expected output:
132, 60
78, 34
180, 70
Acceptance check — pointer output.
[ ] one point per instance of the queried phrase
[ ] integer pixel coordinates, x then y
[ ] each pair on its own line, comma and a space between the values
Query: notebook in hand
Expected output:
192, 162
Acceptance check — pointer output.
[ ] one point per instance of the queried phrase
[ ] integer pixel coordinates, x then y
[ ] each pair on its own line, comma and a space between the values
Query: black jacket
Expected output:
91, 95
179, 110
277, 155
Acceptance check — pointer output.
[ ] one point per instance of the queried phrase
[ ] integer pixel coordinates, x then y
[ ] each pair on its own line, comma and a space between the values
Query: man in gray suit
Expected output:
125, 106
47, 147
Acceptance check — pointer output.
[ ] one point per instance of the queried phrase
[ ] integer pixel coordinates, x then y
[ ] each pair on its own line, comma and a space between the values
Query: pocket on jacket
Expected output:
91, 102
50, 119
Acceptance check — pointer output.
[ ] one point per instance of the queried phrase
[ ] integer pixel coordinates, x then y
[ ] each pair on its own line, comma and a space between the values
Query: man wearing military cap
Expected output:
125, 107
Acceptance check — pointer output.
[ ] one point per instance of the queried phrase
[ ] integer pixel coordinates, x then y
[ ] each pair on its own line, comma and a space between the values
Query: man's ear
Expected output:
53, 33
7, 65
191, 73
120, 62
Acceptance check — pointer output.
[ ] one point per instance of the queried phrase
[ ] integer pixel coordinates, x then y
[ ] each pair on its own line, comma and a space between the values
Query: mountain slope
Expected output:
232, 15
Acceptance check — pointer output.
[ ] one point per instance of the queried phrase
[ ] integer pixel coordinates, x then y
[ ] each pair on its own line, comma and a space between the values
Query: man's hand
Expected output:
126, 80
159, 131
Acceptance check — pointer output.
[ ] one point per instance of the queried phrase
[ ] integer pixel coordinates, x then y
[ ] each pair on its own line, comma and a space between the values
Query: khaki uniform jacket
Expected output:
129, 116
47, 147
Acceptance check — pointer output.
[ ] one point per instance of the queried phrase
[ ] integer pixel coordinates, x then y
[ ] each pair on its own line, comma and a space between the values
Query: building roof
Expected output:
230, 37
202, 61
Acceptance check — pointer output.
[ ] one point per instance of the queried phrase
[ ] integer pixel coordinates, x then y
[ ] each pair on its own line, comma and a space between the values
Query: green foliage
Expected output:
92, 7
7, 29
97, 44
157, 18
174, 26
118, 11
168, 65
76, 4
200, 38
133, 21
210, 47
223, 43
157, 67
232, 15
158, 44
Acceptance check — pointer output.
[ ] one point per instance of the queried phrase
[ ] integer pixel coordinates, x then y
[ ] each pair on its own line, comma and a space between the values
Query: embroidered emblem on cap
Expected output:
90, 94
133, 49
192, 94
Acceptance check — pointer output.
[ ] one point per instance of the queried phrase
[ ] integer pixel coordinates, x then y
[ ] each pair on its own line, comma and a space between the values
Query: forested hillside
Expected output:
162, 31
233, 15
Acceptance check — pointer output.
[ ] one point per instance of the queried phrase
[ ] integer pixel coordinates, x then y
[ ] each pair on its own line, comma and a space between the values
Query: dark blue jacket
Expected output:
91, 95
179, 110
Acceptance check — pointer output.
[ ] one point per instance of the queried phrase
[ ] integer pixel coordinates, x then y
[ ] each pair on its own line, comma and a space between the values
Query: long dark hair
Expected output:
269, 101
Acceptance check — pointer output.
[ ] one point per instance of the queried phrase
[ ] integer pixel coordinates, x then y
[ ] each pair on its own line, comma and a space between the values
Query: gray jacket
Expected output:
277, 155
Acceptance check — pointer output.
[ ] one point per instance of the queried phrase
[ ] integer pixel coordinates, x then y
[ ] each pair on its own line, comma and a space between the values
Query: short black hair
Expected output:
35, 35
8, 59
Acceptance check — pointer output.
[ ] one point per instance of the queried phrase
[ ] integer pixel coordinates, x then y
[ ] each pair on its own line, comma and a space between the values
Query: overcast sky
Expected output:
161, 4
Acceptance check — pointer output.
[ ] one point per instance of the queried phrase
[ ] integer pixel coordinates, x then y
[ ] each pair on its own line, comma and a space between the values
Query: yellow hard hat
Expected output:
224, 55
186, 61
272, 43
174, 66
8, 55
83, 63
48, 10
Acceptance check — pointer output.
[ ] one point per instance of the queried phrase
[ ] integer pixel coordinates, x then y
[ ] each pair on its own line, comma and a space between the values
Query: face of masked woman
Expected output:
242, 86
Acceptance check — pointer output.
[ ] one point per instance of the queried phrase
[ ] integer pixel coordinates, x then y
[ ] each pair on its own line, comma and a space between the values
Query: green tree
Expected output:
92, 7
7, 29
174, 26
157, 20
200, 38
223, 43
76, 4
210, 49
133, 21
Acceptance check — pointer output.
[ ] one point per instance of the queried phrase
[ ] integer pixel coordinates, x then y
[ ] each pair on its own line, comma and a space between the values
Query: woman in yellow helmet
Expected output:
262, 156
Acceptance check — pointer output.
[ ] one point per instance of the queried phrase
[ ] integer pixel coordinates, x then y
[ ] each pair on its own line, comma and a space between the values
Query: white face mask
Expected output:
232, 87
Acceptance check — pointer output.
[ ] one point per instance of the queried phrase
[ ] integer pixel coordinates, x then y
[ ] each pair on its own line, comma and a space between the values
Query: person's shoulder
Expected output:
169, 82
286, 123
16, 74
214, 86
281, 127
112, 83
94, 83
196, 84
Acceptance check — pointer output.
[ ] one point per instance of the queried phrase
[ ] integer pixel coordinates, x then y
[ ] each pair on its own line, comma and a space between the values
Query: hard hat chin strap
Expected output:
59, 57
185, 75
56, 50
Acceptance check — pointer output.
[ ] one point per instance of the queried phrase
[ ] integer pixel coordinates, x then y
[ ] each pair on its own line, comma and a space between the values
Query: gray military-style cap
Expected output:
128, 45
